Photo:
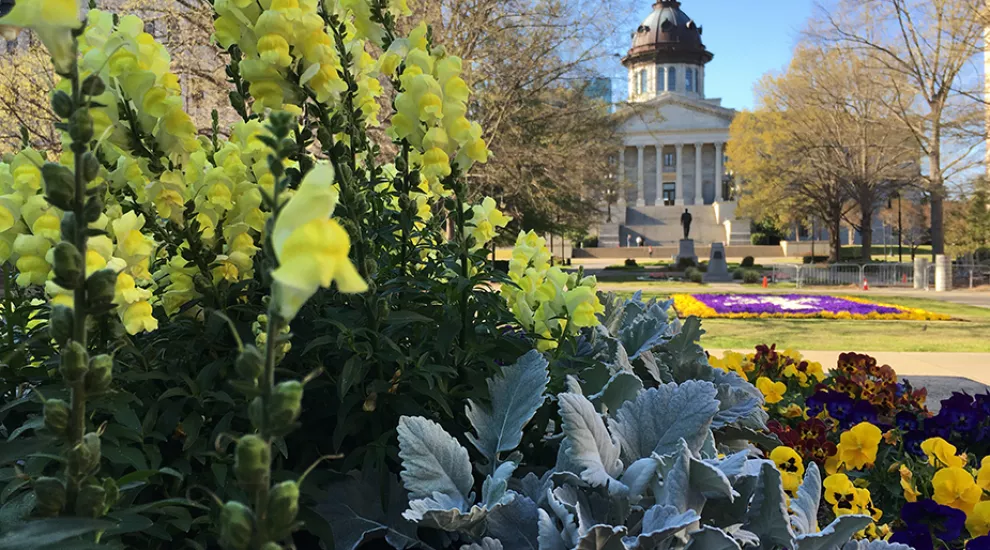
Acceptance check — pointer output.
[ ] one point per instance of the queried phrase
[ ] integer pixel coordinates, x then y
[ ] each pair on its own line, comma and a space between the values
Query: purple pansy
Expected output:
797, 304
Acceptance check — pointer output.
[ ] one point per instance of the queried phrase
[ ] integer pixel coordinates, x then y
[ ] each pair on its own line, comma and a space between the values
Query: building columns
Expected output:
640, 184
658, 198
679, 185
622, 176
719, 172
699, 195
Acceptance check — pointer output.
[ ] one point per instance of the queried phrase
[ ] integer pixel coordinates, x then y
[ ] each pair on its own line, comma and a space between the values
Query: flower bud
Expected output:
370, 403
49, 495
84, 457
68, 226
81, 126
283, 506
112, 490
236, 526
285, 406
93, 209
62, 104
91, 501
251, 461
93, 85
60, 185
100, 374
271, 546
250, 363
100, 287
60, 322
75, 362
56, 414
90, 166
256, 411
68, 266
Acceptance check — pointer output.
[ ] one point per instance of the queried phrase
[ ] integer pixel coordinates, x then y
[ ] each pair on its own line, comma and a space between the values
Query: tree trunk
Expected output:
937, 192
835, 238
866, 231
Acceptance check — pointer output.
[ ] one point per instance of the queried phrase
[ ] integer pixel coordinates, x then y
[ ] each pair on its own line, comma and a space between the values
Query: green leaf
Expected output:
35, 423
767, 517
12, 451
353, 373
357, 515
127, 418
42, 532
191, 426
591, 448
432, 461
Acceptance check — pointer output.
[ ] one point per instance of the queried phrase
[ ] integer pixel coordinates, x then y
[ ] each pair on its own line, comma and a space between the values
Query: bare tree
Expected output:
534, 65
931, 47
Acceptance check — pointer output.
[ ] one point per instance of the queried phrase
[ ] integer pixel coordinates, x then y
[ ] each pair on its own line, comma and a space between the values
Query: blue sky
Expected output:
748, 38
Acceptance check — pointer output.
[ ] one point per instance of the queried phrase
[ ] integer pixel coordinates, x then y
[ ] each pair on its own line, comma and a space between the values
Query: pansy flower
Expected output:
926, 518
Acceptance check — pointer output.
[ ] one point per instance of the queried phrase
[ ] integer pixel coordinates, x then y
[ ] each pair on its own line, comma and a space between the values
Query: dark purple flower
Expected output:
943, 522
916, 537
907, 421
913, 441
983, 403
979, 543
861, 411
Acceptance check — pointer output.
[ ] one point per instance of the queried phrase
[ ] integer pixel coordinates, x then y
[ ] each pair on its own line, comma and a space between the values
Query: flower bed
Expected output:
794, 306
923, 477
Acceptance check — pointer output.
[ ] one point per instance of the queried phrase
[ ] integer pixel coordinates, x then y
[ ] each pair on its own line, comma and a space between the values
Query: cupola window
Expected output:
672, 79
689, 80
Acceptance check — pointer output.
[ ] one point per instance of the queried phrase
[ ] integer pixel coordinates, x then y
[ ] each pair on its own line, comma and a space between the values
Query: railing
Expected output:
897, 275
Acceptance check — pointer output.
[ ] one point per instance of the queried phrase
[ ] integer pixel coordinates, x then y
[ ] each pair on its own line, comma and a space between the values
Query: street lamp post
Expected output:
900, 253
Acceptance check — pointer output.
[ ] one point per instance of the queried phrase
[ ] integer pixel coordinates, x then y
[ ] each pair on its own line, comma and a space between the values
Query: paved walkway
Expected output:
940, 373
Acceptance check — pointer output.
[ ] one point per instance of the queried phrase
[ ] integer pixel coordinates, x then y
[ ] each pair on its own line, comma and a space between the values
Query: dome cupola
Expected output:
668, 35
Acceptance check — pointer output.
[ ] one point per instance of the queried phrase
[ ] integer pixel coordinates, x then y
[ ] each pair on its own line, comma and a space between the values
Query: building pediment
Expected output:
674, 113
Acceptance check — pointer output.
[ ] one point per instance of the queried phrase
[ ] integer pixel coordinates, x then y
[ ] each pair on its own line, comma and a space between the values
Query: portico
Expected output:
674, 174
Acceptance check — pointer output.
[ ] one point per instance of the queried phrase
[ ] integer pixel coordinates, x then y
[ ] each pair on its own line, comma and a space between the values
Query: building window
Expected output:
689, 80
642, 81
697, 80
668, 193
671, 79
668, 159
660, 78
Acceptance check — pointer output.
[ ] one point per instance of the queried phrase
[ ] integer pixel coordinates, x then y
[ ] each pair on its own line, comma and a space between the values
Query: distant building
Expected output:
673, 153
600, 88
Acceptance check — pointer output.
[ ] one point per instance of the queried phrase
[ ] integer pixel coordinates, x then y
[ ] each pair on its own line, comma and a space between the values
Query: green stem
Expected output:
462, 242
275, 324
77, 419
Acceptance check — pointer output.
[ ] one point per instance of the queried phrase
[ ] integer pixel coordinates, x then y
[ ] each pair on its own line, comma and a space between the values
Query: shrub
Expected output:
751, 276
684, 263
748, 261
737, 273
694, 275
631, 262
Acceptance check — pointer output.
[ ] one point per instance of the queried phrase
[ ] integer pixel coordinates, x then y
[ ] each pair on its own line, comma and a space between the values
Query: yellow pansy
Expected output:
955, 487
54, 21
788, 460
941, 453
858, 447
978, 519
983, 475
793, 411
773, 392
840, 493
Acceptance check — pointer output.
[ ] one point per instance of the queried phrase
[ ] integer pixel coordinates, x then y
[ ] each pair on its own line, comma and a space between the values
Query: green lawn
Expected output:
969, 331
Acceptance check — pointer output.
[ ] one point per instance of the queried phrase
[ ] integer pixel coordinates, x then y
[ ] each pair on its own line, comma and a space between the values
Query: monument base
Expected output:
718, 270
686, 250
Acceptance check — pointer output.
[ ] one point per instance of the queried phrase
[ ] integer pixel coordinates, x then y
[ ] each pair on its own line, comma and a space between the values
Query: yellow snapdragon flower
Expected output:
312, 249
485, 220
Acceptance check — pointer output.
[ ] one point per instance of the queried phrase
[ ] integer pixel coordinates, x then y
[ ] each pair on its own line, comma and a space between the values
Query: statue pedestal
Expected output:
686, 250
718, 270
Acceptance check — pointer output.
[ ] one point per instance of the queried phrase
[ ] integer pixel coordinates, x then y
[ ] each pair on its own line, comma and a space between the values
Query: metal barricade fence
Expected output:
889, 275
879, 275
970, 275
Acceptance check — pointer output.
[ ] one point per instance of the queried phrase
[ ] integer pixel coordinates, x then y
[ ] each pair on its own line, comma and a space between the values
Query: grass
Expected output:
969, 331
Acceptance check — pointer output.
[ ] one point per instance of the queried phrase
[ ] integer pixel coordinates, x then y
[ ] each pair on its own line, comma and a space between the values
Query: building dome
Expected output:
667, 35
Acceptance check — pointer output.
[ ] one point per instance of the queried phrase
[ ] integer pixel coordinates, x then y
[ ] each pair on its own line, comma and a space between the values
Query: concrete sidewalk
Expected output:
940, 373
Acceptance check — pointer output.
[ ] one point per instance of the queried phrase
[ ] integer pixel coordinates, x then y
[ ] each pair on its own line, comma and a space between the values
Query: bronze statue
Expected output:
686, 223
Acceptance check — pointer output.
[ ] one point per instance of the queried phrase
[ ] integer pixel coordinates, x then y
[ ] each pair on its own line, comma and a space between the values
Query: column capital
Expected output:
640, 147
699, 144
679, 145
